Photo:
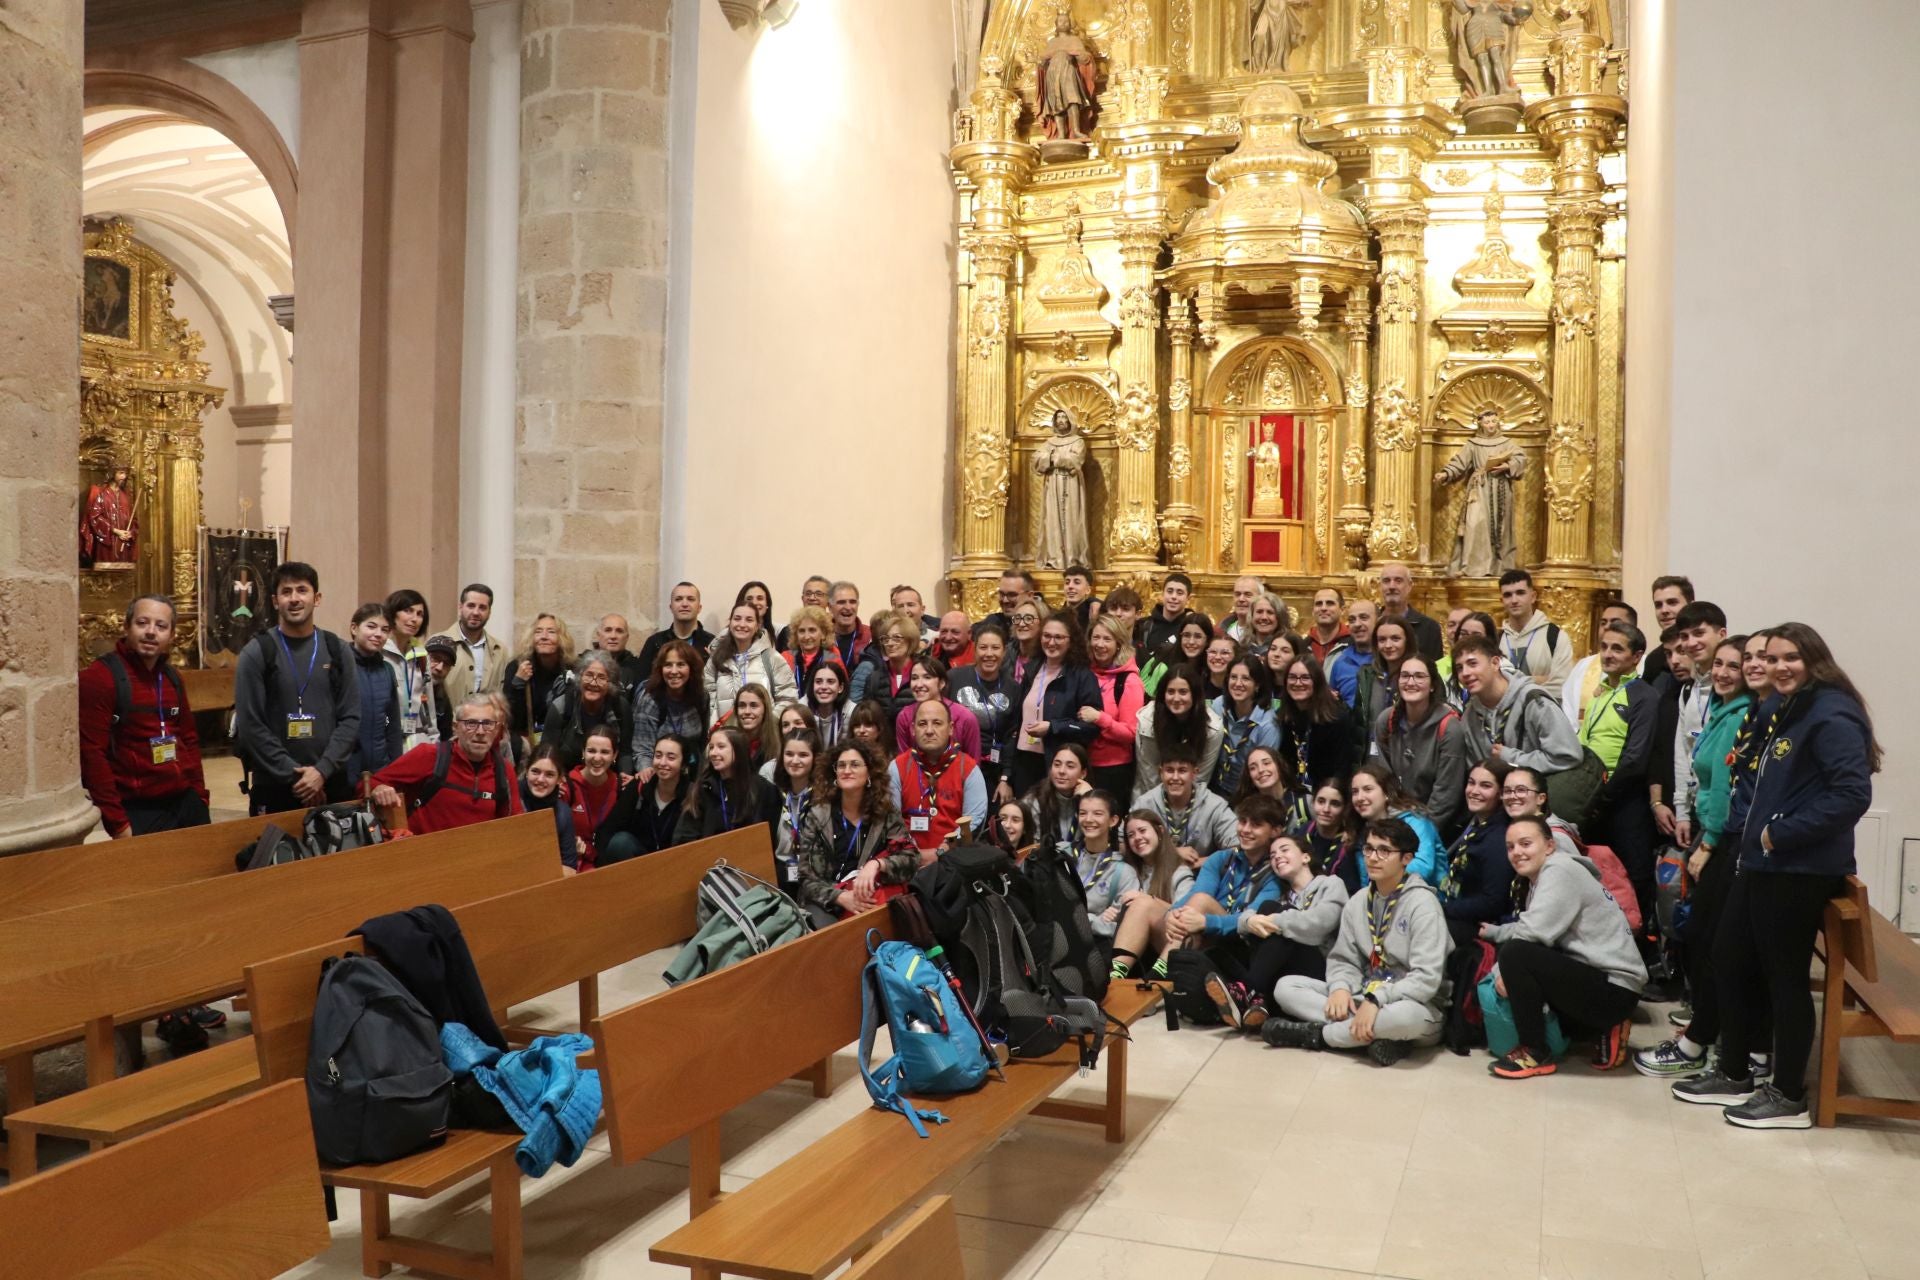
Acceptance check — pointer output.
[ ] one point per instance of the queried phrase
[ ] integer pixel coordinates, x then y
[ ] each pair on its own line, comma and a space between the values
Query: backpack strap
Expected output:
1553, 639
502, 795
442, 761
122, 687
1446, 718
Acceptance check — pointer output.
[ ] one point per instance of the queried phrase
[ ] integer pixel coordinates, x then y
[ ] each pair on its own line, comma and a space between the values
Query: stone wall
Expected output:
41, 803
592, 308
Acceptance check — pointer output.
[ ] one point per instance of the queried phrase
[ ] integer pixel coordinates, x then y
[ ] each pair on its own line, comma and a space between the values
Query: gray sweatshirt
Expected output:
266, 691
1428, 759
1209, 827
1530, 726
1416, 947
1310, 915
1115, 881
1569, 910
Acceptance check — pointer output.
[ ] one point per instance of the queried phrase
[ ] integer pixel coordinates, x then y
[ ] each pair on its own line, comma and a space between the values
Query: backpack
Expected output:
501, 795
1189, 969
1079, 964
936, 1048
123, 686
981, 910
1502, 1037
377, 1087
739, 916
328, 829
337, 660
1573, 793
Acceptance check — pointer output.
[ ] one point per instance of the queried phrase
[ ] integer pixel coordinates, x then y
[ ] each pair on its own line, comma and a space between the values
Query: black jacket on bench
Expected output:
424, 949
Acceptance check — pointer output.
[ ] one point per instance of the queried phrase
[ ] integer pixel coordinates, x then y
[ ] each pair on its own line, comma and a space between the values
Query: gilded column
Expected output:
1350, 491
1578, 125
997, 164
1180, 519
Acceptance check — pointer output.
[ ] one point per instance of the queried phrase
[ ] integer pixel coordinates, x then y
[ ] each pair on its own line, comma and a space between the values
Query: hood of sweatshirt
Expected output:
1537, 623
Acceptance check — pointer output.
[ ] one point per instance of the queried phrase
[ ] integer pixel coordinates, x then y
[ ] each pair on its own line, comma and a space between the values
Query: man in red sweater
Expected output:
453, 784
139, 752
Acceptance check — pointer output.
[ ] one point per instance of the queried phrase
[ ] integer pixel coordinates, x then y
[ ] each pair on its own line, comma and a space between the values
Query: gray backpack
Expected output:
377, 1085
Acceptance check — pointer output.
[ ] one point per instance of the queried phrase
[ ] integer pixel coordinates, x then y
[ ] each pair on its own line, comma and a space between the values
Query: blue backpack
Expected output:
936, 1049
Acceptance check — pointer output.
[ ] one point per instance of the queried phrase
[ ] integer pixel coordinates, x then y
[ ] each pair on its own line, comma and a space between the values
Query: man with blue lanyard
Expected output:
296, 703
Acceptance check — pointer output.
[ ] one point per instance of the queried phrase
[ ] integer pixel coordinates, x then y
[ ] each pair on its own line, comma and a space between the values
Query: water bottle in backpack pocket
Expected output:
936, 1051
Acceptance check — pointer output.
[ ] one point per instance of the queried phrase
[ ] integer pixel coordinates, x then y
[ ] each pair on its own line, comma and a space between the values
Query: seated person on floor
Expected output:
1228, 885
1104, 868
1198, 821
1385, 989
1570, 952
1292, 928
1164, 878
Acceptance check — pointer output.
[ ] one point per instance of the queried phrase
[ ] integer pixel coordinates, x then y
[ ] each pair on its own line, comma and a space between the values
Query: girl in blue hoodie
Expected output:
1374, 795
1811, 764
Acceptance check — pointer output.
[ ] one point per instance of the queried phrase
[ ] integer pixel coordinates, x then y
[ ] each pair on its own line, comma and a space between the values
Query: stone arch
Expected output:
126, 79
1239, 378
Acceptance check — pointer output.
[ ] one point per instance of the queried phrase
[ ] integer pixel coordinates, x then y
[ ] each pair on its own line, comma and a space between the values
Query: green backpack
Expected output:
739, 916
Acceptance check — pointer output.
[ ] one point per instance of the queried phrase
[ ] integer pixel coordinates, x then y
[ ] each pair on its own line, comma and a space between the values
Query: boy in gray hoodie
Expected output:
1386, 986
1510, 717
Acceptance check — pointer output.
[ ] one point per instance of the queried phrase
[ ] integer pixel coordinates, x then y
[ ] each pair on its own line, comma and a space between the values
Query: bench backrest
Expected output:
924, 1247
141, 955
524, 944
233, 1192
1850, 922
734, 1035
57, 878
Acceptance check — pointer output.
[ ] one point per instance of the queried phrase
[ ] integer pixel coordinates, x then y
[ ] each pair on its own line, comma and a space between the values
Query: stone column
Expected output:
41, 803
997, 164
1179, 520
592, 308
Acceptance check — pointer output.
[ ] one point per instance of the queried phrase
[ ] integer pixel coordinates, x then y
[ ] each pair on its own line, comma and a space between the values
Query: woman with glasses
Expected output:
886, 674
546, 660
1316, 729
1266, 623
854, 848
1187, 648
1420, 738
1025, 647
807, 632
1053, 692
1220, 653
592, 703
1117, 718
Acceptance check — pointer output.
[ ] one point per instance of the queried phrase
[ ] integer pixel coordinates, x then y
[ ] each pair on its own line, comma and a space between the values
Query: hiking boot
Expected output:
1681, 1017
1520, 1064
1714, 1089
1387, 1052
1283, 1034
1668, 1059
206, 1017
1611, 1049
1769, 1108
179, 1034
1222, 994
1253, 1009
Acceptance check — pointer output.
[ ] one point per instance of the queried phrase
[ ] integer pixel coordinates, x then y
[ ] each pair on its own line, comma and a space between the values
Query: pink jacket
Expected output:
966, 728
1118, 716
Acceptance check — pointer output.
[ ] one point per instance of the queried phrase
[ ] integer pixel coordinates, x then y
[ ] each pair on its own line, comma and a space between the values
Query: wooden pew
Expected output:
76, 973
832, 1201
233, 1192
599, 920
1871, 988
924, 1247
81, 873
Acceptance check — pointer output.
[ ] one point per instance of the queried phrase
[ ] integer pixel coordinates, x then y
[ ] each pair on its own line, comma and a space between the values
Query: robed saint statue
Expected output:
1489, 462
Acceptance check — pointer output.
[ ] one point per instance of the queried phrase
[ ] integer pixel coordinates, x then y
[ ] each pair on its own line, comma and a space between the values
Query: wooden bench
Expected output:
598, 921
232, 1192
1871, 988
82, 873
924, 1247
77, 973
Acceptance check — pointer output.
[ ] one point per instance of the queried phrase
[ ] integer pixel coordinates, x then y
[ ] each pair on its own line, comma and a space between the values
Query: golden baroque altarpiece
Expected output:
143, 392
1301, 247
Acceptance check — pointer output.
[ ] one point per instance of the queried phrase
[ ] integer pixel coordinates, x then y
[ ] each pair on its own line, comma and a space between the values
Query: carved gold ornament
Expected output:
1496, 339
1179, 394
1356, 389
986, 473
1179, 461
1569, 470
1573, 305
1353, 467
1399, 297
1133, 532
1394, 425
1393, 537
990, 314
1137, 309
1138, 418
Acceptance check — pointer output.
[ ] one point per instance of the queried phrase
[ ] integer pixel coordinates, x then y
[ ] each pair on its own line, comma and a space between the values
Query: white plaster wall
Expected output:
812, 303
269, 74
219, 466
1794, 339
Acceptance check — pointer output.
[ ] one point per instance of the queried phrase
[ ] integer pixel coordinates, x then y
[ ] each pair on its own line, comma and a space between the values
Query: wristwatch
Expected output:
1371, 999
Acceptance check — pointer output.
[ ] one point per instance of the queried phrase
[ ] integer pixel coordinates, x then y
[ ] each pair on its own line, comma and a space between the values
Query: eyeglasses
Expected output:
476, 725
1519, 791
1299, 679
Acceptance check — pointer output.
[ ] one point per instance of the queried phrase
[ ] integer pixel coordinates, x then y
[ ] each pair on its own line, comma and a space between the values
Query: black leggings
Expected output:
1025, 771
1117, 781
1276, 958
1632, 836
1762, 954
1706, 912
1539, 978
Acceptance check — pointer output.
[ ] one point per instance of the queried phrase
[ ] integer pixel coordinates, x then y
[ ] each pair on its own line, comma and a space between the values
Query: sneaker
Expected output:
1519, 1065
1769, 1108
179, 1034
1611, 1049
1662, 991
1279, 1033
206, 1016
1253, 1010
1120, 972
1681, 1017
1760, 1066
1712, 1089
1160, 968
1387, 1052
1221, 994
1667, 1059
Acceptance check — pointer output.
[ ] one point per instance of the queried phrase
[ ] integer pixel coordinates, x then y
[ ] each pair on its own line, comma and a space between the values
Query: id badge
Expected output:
918, 822
993, 756
166, 749
299, 727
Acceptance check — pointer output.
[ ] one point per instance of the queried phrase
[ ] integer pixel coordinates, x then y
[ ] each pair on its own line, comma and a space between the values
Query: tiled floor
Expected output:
1247, 1163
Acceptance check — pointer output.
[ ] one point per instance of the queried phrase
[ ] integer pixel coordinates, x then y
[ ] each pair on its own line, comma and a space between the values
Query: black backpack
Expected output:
377, 1086
982, 912
327, 829
1079, 964
501, 795
1189, 969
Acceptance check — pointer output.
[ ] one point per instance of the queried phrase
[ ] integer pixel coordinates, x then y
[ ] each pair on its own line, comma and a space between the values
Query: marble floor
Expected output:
1247, 1163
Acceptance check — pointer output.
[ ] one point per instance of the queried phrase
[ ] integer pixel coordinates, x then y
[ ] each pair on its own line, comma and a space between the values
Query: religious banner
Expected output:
237, 574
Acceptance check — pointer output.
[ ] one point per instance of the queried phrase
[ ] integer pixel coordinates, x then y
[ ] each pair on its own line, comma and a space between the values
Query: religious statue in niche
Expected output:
1063, 500
1486, 40
1489, 462
1065, 92
109, 525
1275, 28
1268, 499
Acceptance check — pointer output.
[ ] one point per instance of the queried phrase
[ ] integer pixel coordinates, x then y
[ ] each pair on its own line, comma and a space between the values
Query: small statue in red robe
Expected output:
108, 525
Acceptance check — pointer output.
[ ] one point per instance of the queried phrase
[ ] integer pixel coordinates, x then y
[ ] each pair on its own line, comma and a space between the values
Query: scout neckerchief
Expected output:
1101, 863
1379, 924
1256, 876
1177, 828
1230, 745
1457, 856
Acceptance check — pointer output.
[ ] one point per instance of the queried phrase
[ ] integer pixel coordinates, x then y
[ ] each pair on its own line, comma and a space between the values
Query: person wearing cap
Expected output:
441, 653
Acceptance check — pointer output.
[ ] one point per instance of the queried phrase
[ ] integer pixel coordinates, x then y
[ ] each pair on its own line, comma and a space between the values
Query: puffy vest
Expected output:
949, 797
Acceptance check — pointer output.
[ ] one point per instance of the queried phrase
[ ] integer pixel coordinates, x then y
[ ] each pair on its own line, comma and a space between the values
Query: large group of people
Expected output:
1365, 822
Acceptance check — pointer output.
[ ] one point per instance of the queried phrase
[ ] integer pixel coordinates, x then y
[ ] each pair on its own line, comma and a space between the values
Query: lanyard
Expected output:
159, 704
661, 830
851, 858
726, 808
796, 806
300, 693
1597, 708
